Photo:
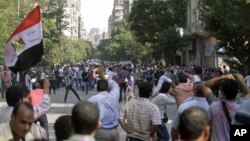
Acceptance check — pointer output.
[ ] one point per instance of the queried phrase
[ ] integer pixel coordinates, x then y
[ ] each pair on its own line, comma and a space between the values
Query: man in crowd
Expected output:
85, 121
162, 99
19, 126
223, 111
85, 77
183, 90
196, 100
143, 117
194, 125
69, 81
123, 75
107, 100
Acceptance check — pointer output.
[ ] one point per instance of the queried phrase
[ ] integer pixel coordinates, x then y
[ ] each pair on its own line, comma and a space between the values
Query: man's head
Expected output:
85, 118
14, 95
26, 94
36, 85
21, 119
198, 70
145, 89
102, 85
229, 88
197, 89
194, 125
182, 77
63, 127
165, 87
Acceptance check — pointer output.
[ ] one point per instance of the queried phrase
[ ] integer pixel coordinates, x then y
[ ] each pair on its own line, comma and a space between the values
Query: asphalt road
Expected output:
59, 108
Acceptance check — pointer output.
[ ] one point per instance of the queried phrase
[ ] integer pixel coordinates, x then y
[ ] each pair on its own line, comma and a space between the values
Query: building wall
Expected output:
121, 9
202, 44
75, 28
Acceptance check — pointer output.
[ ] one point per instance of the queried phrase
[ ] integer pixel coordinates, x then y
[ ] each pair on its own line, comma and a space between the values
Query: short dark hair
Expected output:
25, 91
229, 88
165, 87
19, 105
13, 95
192, 123
198, 89
85, 117
102, 85
145, 89
198, 70
36, 85
63, 127
182, 77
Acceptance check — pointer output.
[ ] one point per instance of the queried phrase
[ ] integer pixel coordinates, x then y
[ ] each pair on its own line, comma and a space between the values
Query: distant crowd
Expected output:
135, 98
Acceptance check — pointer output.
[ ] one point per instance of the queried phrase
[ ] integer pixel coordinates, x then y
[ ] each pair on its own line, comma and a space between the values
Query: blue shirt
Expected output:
108, 103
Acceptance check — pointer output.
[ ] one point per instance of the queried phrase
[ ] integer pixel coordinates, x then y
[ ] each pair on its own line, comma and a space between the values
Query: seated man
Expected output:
194, 124
19, 126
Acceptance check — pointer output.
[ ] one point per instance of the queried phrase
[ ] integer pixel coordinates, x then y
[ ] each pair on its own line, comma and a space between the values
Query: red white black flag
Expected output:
25, 45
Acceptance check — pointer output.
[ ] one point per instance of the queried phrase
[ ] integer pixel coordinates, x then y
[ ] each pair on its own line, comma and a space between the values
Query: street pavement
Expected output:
59, 108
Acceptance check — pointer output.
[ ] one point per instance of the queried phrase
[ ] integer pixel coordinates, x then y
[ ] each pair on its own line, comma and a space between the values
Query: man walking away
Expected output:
143, 117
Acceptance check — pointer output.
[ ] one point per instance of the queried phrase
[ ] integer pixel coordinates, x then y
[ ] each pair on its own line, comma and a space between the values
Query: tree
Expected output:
228, 21
124, 46
69, 51
155, 23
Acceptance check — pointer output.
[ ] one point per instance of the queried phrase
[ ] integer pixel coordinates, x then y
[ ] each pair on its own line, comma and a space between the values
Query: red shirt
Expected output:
36, 96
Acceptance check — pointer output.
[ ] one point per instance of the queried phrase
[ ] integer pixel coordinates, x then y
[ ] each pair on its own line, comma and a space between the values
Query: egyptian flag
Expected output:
25, 45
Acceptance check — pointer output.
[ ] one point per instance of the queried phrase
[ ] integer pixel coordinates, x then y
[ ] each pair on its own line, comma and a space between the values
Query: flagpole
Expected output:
18, 8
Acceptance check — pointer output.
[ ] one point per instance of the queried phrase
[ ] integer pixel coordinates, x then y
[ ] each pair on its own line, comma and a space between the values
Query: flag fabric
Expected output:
25, 45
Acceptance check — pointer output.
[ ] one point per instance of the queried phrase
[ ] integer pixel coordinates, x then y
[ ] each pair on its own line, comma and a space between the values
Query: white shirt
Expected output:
78, 137
6, 134
43, 75
161, 100
162, 79
111, 74
190, 102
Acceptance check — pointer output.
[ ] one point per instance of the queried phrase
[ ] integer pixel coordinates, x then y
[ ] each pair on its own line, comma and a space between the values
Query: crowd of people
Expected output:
208, 101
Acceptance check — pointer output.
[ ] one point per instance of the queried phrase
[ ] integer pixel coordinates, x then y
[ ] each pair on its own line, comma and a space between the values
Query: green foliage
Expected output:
122, 45
155, 23
69, 51
228, 21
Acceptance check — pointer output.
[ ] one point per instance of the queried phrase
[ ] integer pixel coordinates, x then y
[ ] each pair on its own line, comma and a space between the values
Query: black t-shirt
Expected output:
85, 76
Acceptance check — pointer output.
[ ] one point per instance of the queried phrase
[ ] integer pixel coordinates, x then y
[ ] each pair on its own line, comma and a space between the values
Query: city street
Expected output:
58, 108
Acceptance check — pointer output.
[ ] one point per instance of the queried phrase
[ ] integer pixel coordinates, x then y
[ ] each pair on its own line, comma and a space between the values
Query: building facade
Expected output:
121, 9
75, 29
201, 50
94, 36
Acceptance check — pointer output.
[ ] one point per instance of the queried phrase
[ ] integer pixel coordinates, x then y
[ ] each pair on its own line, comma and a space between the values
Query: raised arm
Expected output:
113, 86
162, 79
207, 88
239, 78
